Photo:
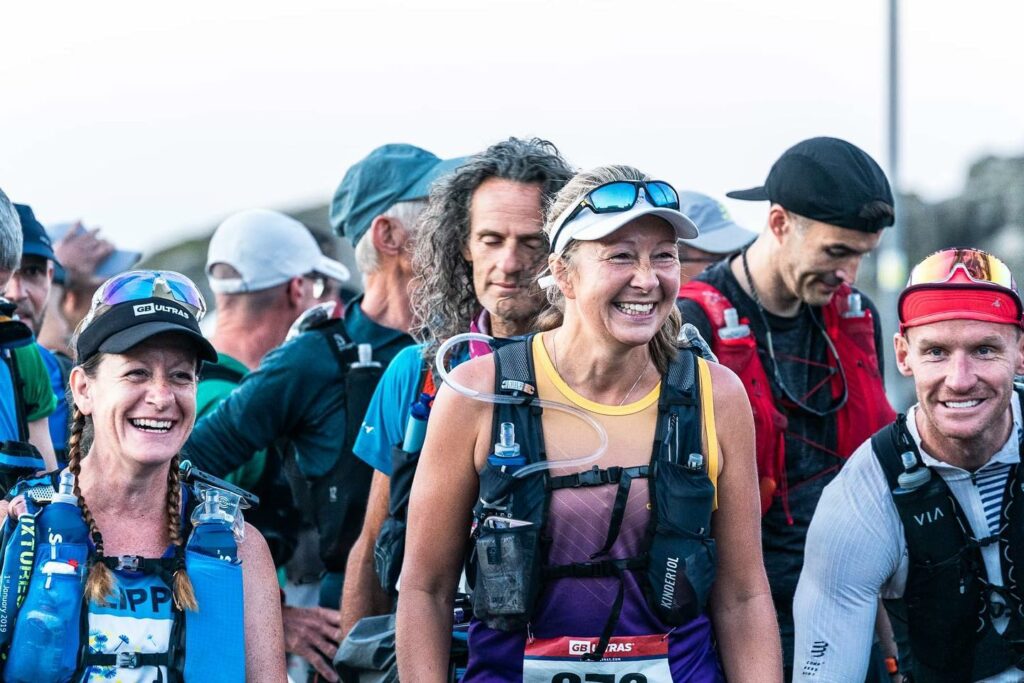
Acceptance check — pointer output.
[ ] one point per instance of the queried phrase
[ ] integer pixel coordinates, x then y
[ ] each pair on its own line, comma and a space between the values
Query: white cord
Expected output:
602, 435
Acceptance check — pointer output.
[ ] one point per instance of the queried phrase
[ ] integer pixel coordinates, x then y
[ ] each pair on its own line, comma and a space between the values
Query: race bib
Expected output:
628, 659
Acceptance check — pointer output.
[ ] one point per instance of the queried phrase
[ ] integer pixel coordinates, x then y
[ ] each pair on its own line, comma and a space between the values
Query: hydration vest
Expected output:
337, 498
276, 522
866, 410
204, 645
947, 601
676, 566
389, 548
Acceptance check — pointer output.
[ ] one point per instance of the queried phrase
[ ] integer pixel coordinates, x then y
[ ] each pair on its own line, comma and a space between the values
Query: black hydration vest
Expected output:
511, 543
337, 500
947, 601
389, 548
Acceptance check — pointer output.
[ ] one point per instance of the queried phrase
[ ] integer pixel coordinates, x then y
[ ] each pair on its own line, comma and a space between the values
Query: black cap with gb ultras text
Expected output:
828, 180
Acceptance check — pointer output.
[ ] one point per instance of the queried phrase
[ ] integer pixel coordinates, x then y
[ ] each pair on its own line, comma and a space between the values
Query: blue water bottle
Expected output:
213, 522
44, 647
19, 556
506, 453
214, 637
416, 427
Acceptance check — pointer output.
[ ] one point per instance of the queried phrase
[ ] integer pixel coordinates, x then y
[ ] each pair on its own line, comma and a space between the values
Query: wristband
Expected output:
892, 665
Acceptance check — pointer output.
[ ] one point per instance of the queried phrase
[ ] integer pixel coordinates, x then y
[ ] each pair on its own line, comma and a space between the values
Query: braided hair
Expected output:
99, 584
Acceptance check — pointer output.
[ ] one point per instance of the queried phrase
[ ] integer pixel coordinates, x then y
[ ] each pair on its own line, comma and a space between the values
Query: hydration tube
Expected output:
602, 435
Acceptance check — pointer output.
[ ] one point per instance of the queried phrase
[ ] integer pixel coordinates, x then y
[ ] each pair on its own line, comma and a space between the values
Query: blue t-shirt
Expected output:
384, 423
386, 419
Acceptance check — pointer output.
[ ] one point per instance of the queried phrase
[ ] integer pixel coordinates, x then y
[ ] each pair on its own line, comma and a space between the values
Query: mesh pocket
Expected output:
507, 575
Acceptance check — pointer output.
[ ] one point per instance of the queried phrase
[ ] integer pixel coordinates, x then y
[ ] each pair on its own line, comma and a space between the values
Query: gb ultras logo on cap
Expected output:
148, 309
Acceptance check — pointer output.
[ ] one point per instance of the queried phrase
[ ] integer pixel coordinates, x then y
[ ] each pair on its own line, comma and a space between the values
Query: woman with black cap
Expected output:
160, 604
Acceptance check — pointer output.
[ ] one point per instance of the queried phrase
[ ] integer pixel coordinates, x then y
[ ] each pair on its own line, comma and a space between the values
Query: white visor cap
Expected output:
267, 248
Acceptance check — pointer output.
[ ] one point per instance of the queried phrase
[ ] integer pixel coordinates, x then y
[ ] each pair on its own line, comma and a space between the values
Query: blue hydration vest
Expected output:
139, 627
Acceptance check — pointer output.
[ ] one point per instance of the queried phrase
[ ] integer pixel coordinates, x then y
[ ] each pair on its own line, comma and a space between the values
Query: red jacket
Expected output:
867, 408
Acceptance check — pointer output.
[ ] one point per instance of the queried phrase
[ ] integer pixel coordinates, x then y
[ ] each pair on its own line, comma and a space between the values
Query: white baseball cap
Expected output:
267, 248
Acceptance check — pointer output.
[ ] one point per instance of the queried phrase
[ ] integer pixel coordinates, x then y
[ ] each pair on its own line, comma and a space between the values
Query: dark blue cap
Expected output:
828, 180
388, 175
37, 242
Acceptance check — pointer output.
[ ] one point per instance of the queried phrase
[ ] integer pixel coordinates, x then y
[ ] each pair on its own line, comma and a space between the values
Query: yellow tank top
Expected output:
579, 517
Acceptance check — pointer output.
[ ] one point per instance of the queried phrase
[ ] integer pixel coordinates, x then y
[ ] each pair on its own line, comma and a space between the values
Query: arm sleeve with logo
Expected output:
40, 401
286, 391
385, 420
854, 546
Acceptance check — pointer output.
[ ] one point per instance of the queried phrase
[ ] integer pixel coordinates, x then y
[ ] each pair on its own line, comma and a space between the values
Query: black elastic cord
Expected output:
618, 512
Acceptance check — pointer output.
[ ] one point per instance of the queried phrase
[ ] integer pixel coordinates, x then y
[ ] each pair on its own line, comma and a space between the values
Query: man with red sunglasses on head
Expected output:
924, 512
807, 346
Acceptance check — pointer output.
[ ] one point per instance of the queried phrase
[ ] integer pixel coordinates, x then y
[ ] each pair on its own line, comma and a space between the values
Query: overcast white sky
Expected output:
156, 120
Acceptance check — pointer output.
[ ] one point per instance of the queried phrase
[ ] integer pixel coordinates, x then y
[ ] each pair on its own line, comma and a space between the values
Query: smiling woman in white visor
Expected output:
625, 584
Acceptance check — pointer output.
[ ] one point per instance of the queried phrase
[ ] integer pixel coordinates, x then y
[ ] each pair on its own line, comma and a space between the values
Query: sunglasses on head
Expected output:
980, 267
147, 284
618, 196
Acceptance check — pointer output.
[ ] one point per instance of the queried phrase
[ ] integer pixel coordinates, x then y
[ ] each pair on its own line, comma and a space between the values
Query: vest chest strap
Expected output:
594, 570
126, 660
597, 477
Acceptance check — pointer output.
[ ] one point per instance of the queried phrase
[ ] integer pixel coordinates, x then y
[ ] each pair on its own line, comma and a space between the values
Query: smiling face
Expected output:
624, 285
143, 402
505, 248
815, 257
963, 374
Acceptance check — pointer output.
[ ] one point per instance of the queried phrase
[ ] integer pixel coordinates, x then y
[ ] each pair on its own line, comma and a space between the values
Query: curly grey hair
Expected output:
443, 297
10, 235
663, 346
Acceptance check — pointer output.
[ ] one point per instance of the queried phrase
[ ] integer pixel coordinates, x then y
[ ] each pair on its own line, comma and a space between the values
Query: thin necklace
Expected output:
554, 361
776, 375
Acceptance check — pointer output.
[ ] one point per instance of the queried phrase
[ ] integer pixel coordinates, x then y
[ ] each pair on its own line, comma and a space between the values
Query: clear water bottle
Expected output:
854, 306
733, 329
216, 523
507, 454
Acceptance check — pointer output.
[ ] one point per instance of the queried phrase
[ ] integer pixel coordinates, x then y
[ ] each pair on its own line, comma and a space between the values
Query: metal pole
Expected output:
891, 272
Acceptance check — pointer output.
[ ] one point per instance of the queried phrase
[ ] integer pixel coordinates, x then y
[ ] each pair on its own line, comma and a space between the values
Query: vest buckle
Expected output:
128, 563
128, 660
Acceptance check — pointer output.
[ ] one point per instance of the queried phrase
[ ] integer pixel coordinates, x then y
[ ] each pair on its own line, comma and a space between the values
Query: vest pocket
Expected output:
388, 552
940, 636
682, 556
507, 573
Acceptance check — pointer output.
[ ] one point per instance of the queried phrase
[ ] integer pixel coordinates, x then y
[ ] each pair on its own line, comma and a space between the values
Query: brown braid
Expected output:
184, 593
100, 583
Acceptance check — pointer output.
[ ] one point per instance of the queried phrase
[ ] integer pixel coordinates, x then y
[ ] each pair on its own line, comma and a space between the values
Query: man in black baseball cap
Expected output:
29, 286
807, 345
29, 290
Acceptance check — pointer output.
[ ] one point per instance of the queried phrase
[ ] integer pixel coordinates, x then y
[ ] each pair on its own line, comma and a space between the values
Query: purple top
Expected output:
573, 607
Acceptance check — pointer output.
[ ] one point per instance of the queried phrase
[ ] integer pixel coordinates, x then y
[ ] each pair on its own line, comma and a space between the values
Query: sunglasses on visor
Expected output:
147, 284
980, 267
619, 196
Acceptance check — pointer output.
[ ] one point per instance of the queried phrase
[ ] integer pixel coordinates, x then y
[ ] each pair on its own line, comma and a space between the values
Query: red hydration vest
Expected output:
867, 408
